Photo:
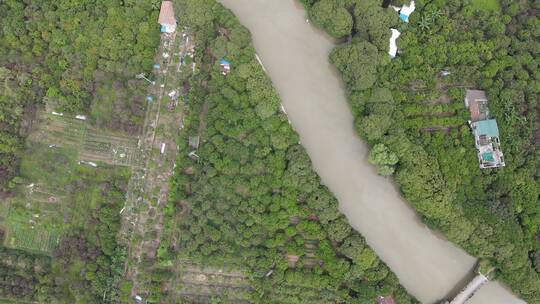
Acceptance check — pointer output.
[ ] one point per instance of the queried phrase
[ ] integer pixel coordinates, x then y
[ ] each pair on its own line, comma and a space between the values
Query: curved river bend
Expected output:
295, 56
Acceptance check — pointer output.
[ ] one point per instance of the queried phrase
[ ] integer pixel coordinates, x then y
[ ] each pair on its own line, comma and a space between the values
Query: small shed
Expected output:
167, 18
225, 66
194, 142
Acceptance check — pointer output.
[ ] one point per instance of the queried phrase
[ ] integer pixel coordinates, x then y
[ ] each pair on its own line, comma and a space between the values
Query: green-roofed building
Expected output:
486, 127
486, 134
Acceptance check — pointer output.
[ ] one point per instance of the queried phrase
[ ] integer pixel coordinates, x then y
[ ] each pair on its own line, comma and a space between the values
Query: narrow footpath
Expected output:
147, 195
295, 56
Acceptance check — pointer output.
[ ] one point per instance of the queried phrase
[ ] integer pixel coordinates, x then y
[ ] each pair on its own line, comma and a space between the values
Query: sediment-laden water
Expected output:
295, 55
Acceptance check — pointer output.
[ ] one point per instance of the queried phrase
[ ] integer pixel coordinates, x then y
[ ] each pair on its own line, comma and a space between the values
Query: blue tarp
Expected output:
149, 98
404, 17
224, 62
157, 66
163, 29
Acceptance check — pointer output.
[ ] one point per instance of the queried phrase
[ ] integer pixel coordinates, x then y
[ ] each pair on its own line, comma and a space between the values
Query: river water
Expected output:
295, 55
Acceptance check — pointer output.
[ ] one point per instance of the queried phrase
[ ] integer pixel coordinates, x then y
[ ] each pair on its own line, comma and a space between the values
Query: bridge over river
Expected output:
295, 56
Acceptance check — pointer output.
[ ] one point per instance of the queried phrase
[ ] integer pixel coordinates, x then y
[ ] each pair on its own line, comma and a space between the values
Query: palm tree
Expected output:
425, 23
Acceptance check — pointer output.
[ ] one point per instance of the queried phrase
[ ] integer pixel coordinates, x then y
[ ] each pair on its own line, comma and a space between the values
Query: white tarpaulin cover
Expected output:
393, 45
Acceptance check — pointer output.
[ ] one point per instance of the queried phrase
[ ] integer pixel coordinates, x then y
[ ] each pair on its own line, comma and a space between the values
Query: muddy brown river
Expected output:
295, 55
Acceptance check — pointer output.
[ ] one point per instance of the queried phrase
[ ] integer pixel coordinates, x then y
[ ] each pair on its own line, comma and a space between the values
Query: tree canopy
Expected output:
358, 64
446, 47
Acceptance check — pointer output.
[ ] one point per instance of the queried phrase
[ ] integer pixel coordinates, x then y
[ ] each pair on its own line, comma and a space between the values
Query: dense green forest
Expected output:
248, 198
414, 118
22, 274
75, 56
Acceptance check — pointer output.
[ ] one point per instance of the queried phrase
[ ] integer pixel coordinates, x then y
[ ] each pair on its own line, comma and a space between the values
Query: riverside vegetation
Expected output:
413, 117
248, 199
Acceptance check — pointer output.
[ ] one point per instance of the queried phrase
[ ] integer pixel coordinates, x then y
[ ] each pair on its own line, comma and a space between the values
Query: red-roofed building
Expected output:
167, 18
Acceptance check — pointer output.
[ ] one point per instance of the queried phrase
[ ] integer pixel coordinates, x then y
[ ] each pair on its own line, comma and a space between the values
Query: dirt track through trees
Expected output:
149, 186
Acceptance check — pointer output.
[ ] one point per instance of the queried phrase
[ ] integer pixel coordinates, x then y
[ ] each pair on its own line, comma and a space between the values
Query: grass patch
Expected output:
4, 210
486, 5
49, 166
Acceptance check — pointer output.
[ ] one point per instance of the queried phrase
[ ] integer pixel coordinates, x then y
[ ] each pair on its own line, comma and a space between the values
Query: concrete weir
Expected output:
470, 289
295, 56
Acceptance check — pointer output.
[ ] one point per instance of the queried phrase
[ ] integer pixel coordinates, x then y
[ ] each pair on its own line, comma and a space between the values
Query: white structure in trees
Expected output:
393, 45
405, 11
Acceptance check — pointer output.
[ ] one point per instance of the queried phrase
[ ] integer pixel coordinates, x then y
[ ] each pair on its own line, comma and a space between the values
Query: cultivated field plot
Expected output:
111, 149
58, 130
93, 144
23, 236
201, 284
195, 283
51, 193
48, 198
33, 216
439, 109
